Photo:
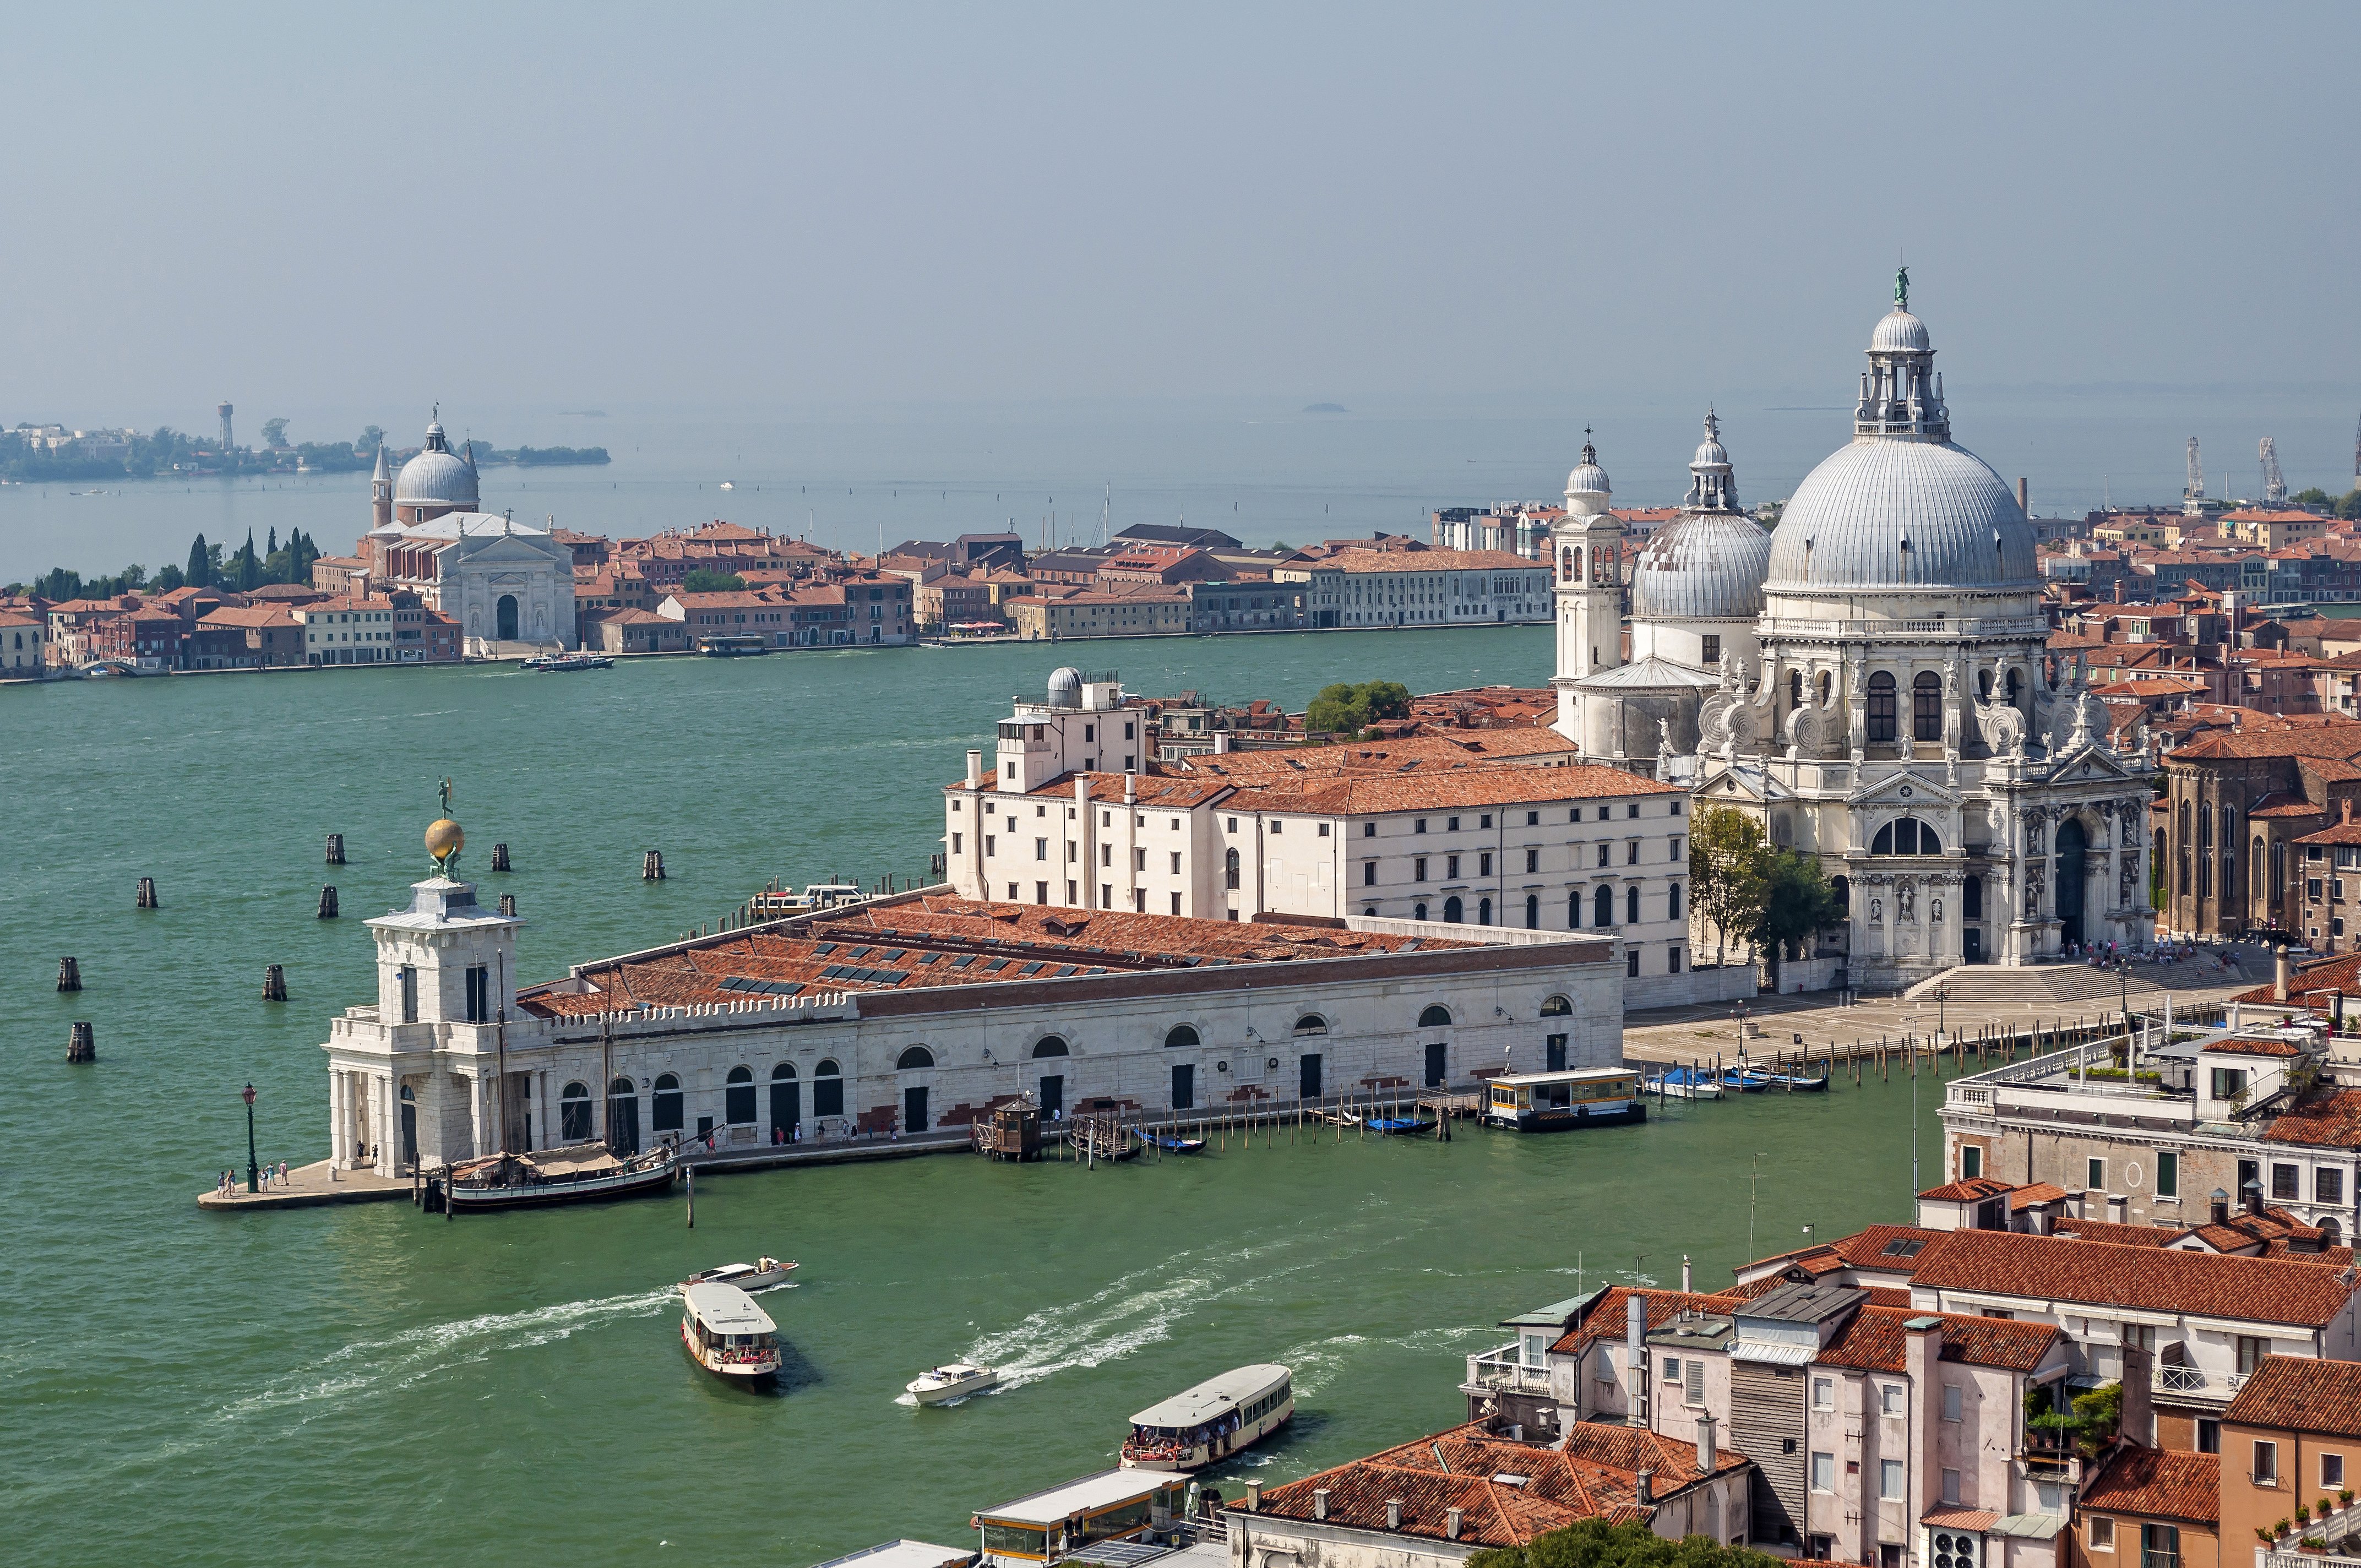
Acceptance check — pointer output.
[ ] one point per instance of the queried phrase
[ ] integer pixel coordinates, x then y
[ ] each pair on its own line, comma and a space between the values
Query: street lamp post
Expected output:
253, 1167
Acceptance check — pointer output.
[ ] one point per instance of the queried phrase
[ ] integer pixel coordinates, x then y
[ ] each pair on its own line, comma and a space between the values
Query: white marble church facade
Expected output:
505, 582
1871, 681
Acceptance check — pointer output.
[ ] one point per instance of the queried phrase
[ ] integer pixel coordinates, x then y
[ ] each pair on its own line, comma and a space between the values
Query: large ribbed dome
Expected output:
437, 477
1896, 513
1701, 566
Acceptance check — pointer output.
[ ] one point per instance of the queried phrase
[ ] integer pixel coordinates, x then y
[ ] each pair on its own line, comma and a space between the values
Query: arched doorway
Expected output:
786, 1103
622, 1117
409, 1126
2074, 867
574, 1113
507, 613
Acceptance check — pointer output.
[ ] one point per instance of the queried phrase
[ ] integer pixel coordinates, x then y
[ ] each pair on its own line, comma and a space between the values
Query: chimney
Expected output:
1684, 1273
2279, 975
2346, 806
1221, 742
1922, 1360
1394, 1513
1635, 1355
2023, 503
974, 769
1130, 788
2251, 1195
2220, 1207
2138, 1420
1319, 1502
1452, 1521
2118, 1209
1705, 1445
1647, 1480
1254, 1497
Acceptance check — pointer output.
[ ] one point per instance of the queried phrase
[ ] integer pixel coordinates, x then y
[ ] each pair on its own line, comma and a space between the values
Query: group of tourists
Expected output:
267, 1176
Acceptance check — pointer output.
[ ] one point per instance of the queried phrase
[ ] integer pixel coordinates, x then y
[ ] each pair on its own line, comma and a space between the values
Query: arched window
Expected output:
1632, 904
784, 1070
1454, 912
1230, 868
916, 1057
1906, 836
2330, 1235
666, 1112
624, 1116
1418, 911
1533, 912
1483, 911
2258, 872
1574, 910
1794, 688
738, 1096
2015, 685
1311, 1024
1435, 1017
1049, 1046
1602, 907
574, 1113
1880, 706
1983, 685
828, 1090
1565, 565
1927, 706
1180, 1036
1842, 888
1557, 1007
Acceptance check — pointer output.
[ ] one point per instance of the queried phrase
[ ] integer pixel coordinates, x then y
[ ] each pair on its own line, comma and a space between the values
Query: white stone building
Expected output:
916, 1012
1319, 834
1422, 587
1893, 707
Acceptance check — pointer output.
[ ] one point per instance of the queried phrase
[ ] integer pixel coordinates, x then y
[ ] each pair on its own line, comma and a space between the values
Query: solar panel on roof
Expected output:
857, 953
964, 960
823, 949
930, 957
895, 954
1065, 970
1033, 969
759, 987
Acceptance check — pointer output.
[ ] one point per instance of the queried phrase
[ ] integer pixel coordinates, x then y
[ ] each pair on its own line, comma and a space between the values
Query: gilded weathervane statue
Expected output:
445, 839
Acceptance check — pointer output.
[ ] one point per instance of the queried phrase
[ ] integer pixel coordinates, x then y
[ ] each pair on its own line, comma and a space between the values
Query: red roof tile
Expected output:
2324, 1119
1876, 1341
2159, 1483
2055, 1269
2297, 1394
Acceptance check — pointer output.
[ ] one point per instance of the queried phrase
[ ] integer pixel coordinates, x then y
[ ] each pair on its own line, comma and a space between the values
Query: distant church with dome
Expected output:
508, 584
1870, 680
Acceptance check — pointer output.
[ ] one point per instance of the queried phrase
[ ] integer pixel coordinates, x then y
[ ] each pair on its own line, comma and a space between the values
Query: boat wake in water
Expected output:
414, 1355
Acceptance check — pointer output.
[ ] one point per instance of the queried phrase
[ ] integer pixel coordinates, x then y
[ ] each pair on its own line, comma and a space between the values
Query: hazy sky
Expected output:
767, 207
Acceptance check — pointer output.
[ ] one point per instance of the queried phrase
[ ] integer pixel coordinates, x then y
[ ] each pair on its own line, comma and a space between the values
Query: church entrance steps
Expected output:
2039, 986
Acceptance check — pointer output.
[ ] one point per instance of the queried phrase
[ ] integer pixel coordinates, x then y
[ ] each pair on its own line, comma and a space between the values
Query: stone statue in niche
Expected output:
1935, 910
2033, 879
1905, 903
2128, 881
1877, 912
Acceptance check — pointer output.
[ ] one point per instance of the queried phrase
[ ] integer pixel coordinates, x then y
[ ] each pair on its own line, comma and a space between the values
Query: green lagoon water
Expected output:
340, 1385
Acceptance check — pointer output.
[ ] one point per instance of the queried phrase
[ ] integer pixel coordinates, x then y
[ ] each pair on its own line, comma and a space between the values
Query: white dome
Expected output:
1885, 513
1710, 453
1588, 478
1701, 566
435, 477
1065, 686
1899, 332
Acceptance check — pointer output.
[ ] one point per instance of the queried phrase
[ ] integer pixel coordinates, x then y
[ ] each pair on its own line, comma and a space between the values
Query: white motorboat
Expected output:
764, 1274
729, 1336
956, 1380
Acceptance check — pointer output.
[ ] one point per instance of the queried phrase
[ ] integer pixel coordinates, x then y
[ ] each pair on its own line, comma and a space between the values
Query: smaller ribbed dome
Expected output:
1701, 566
1065, 686
1899, 332
1588, 478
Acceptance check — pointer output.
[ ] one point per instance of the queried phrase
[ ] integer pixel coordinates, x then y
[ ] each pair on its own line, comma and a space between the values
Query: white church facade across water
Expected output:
1872, 680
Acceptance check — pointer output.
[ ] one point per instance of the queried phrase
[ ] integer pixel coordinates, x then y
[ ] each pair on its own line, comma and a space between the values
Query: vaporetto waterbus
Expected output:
1550, 1101
1200, 1426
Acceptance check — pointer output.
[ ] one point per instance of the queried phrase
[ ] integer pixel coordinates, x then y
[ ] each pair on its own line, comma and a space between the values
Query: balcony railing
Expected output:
2160, 1559
1505, 1369
2180, 1379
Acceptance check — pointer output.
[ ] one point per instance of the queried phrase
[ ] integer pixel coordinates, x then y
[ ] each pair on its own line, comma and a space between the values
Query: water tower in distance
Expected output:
223, 410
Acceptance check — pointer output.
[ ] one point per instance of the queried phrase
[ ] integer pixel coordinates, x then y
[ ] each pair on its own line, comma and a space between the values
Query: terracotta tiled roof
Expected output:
1432, 561
2327, 1118
2298, 1394
2343, 833
2242, 1045
1875, 1340
1608, 1316
2119, 1235
2053, 1269
2037, 1194
1972, 1190
1880, 1248
1361, 796
1593, 1475
2326, 977
2279, 802
2161, 1483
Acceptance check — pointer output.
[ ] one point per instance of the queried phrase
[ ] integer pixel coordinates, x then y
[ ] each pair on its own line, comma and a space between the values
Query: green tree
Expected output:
1595, 1543
1797, 902
2314, 497
1726, 885
1346, 709
274, 432
370, 435
246, 566
167, 579
2350, 507
706, 580
199, 573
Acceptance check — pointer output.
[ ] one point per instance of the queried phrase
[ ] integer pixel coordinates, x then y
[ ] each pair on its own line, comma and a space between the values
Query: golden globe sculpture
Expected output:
444, 839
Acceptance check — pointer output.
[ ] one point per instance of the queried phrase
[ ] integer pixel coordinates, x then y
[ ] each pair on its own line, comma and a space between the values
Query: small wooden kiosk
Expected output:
1010, 1130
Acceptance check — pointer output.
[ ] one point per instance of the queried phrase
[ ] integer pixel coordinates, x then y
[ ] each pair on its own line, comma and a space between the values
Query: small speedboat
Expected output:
955, 1380
1682, 1083
764, 1274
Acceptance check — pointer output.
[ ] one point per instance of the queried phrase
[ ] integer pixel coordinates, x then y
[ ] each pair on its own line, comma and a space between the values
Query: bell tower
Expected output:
1587, 568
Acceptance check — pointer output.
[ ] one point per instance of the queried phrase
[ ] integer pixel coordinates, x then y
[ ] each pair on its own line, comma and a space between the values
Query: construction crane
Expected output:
2274, 482
2192, 496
